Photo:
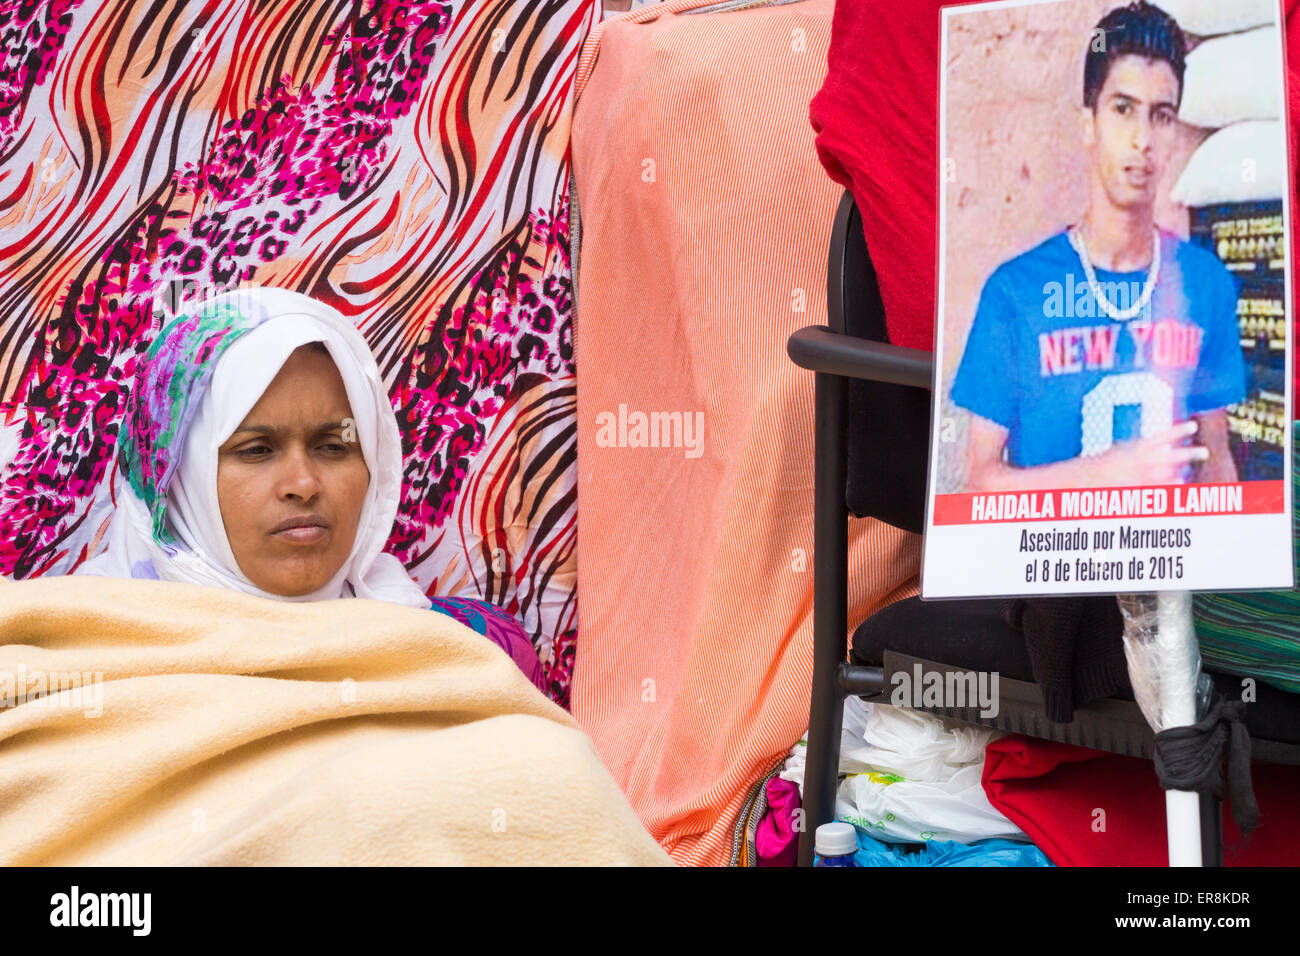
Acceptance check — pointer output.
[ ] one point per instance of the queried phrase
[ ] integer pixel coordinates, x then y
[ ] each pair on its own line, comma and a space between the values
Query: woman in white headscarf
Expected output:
260, 452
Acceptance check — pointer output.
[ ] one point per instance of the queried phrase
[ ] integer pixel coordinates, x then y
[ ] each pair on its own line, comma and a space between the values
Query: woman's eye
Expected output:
334, 446
253, 451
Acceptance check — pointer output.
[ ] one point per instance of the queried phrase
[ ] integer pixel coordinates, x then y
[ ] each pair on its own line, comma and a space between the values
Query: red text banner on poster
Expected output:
1156, 501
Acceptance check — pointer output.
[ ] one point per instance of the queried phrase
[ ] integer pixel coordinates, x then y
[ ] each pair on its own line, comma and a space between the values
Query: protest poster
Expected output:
1113, 361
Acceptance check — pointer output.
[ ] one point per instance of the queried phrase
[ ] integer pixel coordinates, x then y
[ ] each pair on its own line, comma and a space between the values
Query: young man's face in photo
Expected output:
1131, 131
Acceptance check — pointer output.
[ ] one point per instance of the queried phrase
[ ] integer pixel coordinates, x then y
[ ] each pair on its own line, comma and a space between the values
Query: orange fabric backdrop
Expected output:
705, 221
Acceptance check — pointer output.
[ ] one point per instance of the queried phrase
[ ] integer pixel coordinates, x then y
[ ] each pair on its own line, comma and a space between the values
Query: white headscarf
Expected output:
284, 321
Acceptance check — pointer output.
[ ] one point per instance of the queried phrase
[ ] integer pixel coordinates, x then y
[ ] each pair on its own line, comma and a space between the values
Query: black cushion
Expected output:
889, 434
972, 635
888, 425
968, 634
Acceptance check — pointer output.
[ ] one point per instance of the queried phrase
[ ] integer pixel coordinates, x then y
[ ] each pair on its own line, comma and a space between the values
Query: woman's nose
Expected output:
297, 478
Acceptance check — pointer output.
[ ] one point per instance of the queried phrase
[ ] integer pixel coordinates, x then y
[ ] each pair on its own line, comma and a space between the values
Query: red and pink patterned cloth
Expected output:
406, 163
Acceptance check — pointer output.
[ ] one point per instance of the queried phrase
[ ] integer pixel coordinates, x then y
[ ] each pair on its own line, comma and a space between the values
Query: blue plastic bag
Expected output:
872, 852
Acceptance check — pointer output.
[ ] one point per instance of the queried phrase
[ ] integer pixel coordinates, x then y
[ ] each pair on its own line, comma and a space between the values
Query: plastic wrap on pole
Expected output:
1164, 659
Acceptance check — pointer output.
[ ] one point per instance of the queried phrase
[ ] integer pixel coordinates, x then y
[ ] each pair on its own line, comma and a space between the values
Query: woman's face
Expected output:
291, 480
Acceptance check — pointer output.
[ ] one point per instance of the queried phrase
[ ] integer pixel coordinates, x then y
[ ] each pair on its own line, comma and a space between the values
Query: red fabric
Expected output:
876, 119
1053, 792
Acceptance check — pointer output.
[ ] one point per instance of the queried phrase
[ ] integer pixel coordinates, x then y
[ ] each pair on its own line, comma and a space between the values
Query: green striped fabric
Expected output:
1255, 633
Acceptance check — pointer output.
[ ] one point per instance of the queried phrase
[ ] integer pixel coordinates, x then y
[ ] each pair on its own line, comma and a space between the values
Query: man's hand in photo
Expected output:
1158, 460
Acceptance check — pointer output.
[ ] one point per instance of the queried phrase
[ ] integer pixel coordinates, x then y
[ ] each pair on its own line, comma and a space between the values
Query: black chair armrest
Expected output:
861, 681
818, 349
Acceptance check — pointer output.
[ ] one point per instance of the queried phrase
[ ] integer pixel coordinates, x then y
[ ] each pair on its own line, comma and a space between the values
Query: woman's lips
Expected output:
303, 534
301, 529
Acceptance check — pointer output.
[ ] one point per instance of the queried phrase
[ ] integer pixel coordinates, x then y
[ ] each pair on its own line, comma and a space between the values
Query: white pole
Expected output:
1179, 655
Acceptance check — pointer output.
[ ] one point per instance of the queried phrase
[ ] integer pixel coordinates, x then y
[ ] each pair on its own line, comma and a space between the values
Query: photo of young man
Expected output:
1106, 355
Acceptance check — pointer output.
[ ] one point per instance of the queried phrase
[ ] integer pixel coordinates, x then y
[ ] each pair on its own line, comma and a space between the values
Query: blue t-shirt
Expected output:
1047, 364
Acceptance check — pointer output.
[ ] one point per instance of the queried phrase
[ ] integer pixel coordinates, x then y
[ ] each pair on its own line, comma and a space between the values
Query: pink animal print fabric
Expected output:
406, 163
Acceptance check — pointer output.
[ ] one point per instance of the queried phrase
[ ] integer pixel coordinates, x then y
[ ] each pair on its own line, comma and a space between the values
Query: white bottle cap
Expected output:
836, 839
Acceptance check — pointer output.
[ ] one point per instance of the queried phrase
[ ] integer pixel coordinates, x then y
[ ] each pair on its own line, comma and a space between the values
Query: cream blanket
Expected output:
146, 722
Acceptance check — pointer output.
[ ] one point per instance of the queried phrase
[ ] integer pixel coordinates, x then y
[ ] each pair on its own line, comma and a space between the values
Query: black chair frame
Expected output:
835, 358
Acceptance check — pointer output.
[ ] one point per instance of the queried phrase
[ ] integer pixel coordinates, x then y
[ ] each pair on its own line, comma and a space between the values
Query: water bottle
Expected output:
836, 843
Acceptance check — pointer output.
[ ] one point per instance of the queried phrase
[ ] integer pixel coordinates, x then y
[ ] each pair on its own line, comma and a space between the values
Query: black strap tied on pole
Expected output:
1191, 758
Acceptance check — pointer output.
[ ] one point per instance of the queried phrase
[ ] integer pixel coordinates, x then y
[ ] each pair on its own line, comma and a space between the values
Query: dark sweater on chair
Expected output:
1076, 648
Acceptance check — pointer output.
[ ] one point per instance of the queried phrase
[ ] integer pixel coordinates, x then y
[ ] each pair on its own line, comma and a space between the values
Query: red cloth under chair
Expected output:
1062, 797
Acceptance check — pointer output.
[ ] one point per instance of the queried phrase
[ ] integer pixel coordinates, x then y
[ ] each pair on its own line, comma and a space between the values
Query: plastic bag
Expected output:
1164, 659
909, 743
897, 810
987, 853
912, 777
